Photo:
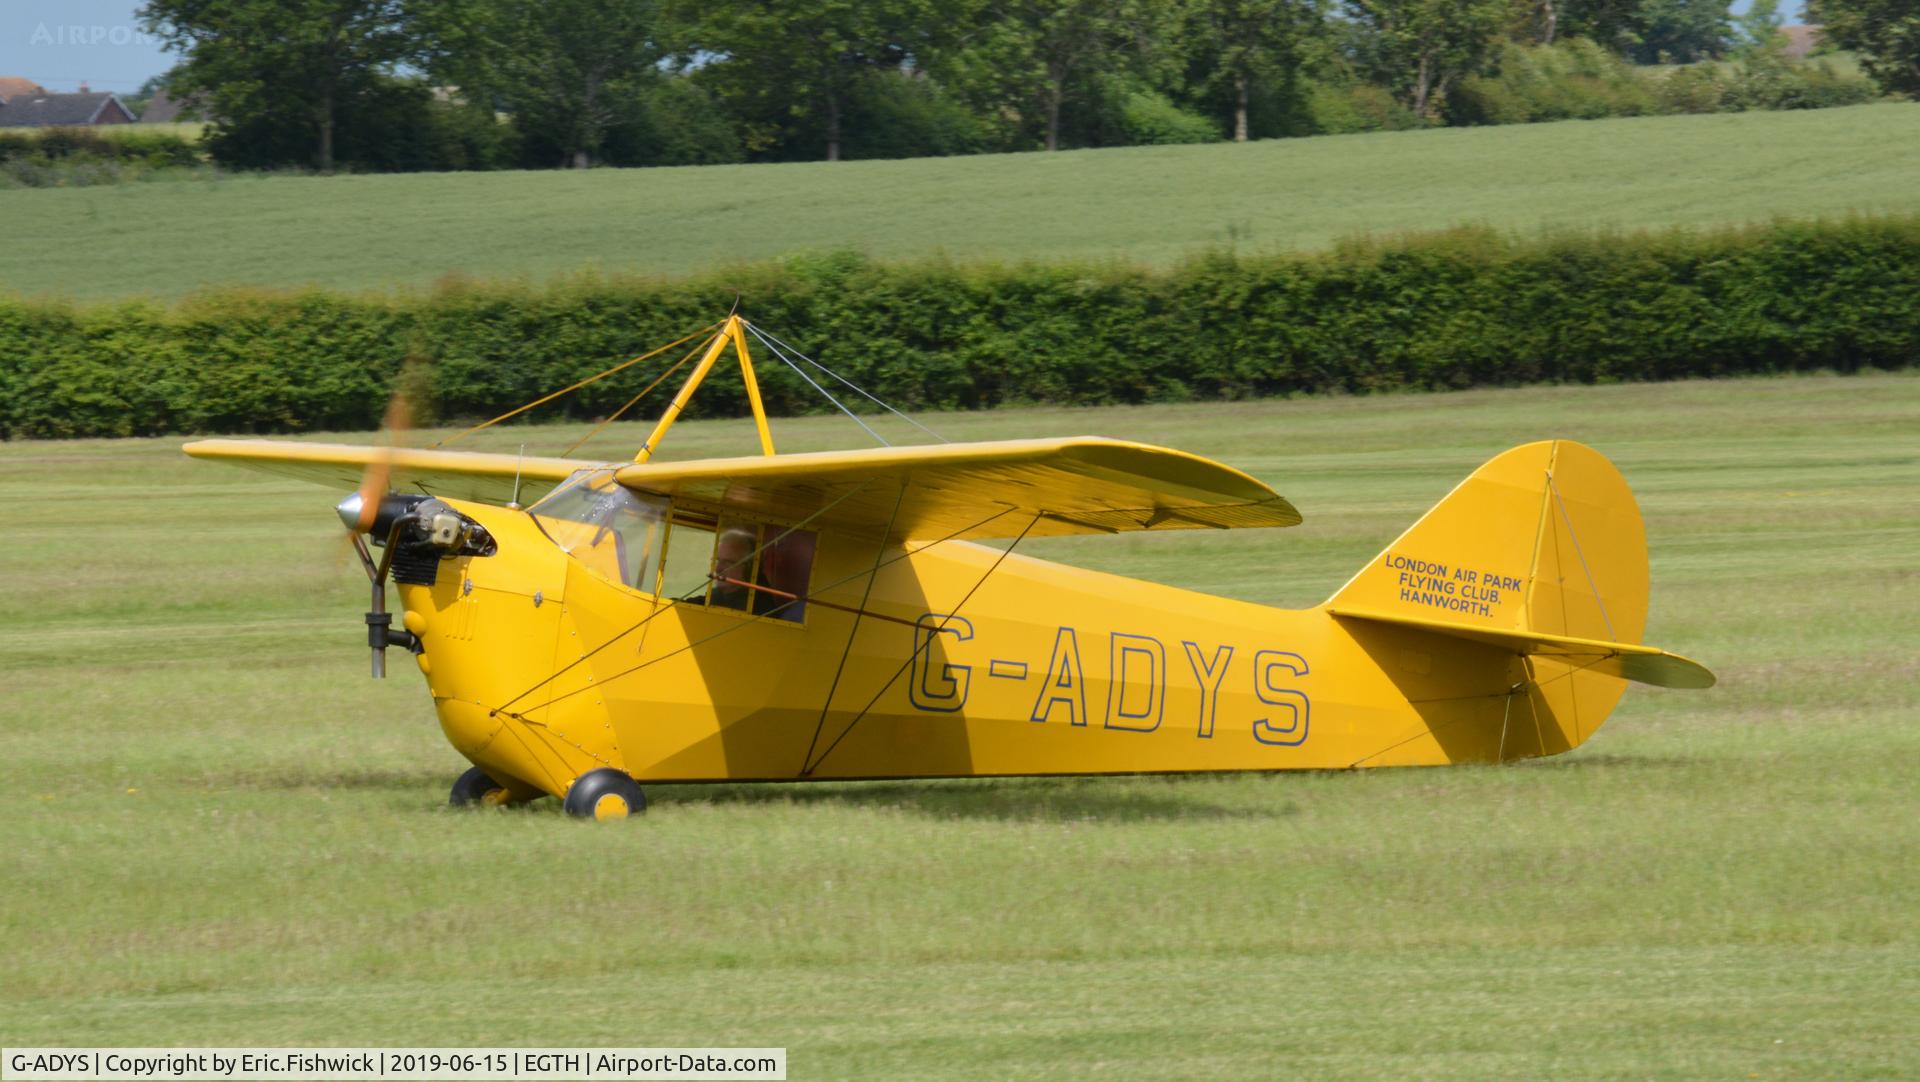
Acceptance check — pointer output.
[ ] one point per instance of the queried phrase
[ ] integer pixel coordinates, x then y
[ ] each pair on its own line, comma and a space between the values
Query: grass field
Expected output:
220, 832
1150, 204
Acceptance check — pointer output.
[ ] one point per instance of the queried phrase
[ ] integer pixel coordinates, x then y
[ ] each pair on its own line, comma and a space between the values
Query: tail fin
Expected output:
1540, 553
1545, 537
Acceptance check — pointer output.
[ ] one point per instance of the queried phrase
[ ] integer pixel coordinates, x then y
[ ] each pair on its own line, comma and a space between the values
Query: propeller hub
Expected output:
349, 511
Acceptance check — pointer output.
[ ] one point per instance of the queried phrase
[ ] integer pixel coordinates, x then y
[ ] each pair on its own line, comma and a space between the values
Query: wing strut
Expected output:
730, 334
927, 643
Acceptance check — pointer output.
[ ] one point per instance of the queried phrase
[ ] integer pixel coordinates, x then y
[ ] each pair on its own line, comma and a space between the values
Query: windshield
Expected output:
613, 531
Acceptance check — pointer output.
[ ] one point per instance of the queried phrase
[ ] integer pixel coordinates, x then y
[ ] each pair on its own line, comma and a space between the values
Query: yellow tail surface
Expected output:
1545, 537
1540, 555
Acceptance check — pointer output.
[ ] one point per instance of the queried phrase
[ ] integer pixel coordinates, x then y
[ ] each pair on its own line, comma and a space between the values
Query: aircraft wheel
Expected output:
476, 788
605, 793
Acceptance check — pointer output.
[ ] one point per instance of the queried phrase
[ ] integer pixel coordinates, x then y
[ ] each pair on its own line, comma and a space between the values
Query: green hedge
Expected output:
1459, 309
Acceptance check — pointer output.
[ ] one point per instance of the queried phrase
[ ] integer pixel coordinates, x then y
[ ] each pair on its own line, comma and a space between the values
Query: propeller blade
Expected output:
359, 510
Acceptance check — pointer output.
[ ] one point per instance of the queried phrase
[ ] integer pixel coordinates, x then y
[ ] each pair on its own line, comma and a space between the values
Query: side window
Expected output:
786, 565
734, 558
741, 566
685, 575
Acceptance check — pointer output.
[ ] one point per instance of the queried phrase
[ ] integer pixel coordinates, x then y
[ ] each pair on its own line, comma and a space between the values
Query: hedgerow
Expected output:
1458, 309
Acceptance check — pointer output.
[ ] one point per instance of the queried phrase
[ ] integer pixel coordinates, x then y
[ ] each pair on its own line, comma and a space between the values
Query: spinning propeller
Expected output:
360, 513
359, 510
415, 531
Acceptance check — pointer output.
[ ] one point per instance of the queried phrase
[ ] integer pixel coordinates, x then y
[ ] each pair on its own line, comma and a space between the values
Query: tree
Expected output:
1030, 58
1886, 34
1759, 28
274, 64
1612, 23
1237, 43
1418, 48
1682, 31
802, 59
568, 71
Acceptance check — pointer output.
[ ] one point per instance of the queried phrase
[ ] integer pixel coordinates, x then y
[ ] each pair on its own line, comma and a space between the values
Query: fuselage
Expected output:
923, 659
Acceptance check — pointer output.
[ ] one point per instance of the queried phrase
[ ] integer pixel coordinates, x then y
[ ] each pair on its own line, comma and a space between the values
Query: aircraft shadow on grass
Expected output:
1083, 799
1140, 799
1070, 799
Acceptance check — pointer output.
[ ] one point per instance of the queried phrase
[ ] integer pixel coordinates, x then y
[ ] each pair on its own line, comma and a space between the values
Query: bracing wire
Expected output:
1582, 553
597, 376
880, 553
903, 554
771, 339
631, 402
920, 647
828, 395
784, 534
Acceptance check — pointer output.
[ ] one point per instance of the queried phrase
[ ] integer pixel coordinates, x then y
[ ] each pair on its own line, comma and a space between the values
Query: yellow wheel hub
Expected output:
610, 806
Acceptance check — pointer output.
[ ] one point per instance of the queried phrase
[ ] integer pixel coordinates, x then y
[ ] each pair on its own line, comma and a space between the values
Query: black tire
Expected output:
605, 793
471, 788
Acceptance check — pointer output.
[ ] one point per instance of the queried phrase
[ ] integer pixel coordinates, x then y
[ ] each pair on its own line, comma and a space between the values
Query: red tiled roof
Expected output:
13, 86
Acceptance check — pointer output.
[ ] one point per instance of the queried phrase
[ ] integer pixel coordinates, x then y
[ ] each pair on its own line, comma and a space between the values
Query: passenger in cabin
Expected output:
732, 568
784, 567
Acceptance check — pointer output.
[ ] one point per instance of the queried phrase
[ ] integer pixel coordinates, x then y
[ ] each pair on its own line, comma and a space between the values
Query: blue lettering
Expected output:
1294, 702
1063, 684
940, 687
1127, 651
1209, 675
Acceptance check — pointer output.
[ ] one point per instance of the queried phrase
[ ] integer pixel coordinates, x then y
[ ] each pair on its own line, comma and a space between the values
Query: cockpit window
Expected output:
614, 531
689, 571
641, 542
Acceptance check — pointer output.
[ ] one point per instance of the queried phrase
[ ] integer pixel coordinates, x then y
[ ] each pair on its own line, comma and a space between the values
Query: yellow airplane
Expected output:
834, 615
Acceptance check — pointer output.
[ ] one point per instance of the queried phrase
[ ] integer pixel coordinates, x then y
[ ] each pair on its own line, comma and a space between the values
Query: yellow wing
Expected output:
463, 475
1078, 485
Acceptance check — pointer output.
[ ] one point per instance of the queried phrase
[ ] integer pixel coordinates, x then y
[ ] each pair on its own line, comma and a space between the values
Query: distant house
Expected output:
30, 106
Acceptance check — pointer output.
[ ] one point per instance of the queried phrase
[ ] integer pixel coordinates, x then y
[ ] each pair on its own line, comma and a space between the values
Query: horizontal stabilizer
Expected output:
461, 475
1075, 485
1642, 664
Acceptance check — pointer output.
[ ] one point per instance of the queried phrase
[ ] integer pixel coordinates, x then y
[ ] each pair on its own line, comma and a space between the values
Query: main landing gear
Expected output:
476, 788
598, 794
605, 793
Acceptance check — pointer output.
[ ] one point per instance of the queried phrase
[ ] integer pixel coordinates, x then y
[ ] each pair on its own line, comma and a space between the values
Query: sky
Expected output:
60, 43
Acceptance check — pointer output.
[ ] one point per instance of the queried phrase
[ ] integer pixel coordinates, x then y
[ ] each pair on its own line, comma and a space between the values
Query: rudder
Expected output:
1546, 537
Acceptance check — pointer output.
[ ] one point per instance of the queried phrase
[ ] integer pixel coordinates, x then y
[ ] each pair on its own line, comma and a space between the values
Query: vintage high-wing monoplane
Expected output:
834, 615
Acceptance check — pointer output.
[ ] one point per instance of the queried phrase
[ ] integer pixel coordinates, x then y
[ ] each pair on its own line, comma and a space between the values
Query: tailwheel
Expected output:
605, 793
475, 788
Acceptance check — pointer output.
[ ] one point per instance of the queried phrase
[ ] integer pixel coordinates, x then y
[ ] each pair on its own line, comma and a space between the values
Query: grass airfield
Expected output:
219, 831
1151, 205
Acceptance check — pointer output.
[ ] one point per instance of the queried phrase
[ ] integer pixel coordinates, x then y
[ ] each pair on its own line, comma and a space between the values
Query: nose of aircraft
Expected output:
349, 511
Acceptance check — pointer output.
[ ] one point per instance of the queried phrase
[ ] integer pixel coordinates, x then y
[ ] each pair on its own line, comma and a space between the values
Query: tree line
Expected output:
436, 84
